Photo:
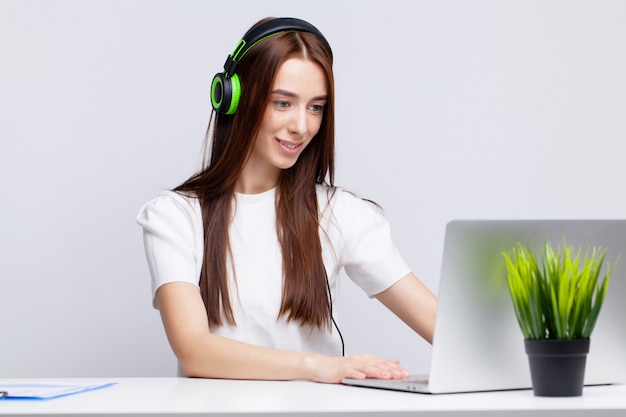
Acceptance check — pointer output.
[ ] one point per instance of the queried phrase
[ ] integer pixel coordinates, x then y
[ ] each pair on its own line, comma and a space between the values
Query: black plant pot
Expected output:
557, 367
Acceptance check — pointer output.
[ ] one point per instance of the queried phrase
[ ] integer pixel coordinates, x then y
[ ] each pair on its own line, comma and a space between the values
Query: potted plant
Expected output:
557, 302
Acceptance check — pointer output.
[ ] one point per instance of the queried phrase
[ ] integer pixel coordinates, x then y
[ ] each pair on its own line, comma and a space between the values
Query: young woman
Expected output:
246, 254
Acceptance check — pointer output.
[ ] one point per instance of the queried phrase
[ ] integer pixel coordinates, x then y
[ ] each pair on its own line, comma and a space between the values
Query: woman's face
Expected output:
292, 118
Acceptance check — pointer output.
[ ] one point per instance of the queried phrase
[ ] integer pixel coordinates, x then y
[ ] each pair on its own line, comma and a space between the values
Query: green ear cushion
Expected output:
235, 94
225, 93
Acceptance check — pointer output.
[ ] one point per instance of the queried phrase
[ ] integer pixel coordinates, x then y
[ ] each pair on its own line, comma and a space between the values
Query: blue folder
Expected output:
46, 390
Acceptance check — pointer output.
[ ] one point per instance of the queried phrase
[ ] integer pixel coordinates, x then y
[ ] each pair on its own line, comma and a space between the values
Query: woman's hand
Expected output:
205, 355
332, 369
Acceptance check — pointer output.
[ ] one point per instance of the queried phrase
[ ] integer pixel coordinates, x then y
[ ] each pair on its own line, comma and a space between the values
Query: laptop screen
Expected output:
478, 344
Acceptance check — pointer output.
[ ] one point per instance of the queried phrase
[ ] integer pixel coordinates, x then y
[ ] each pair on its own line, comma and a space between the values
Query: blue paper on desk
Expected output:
46, 390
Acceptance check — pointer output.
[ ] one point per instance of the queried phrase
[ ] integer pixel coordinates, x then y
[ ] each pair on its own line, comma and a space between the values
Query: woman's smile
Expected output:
290, 147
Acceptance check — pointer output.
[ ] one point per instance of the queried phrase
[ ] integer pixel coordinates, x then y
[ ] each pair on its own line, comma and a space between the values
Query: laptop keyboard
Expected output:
417, 379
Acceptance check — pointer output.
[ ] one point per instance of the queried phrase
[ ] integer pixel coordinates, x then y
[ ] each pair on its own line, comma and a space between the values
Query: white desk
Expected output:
188, 397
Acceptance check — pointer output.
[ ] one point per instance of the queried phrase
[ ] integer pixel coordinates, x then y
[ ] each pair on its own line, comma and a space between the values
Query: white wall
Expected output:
446, 109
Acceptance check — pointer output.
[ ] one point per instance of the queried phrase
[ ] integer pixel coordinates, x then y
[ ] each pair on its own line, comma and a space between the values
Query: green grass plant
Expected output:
559, 297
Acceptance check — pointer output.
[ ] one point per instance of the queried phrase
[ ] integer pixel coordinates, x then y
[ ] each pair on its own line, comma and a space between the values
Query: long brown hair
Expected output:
305, 288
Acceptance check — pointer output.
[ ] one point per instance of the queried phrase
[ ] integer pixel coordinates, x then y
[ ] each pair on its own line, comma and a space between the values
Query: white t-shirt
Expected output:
354, 234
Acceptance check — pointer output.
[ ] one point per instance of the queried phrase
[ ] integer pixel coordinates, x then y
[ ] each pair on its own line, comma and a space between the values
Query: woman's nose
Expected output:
298, 121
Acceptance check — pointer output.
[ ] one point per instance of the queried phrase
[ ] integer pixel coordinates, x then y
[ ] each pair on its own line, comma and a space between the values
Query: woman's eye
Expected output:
282, 104
316, 108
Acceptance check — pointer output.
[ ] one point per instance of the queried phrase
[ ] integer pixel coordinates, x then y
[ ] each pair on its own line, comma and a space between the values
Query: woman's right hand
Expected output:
332, 369
205, 355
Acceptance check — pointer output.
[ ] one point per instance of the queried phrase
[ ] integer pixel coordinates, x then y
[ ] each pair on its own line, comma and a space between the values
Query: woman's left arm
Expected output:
413, 303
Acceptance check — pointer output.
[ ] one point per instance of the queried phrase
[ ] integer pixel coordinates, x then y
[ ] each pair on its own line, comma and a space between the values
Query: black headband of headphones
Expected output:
265, 29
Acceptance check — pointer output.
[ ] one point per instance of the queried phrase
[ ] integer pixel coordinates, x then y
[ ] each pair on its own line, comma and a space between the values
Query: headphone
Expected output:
226, 87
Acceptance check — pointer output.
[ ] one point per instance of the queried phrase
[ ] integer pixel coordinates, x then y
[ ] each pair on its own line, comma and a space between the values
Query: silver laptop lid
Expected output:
477, 344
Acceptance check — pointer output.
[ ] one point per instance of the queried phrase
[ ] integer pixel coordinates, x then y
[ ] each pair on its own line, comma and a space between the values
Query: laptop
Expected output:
477, 344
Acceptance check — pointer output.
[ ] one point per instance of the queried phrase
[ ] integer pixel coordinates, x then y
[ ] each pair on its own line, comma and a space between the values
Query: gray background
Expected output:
445, 110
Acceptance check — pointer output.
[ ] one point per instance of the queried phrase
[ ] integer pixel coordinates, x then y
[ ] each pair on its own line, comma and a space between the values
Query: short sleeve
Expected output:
369, 256
172, 235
